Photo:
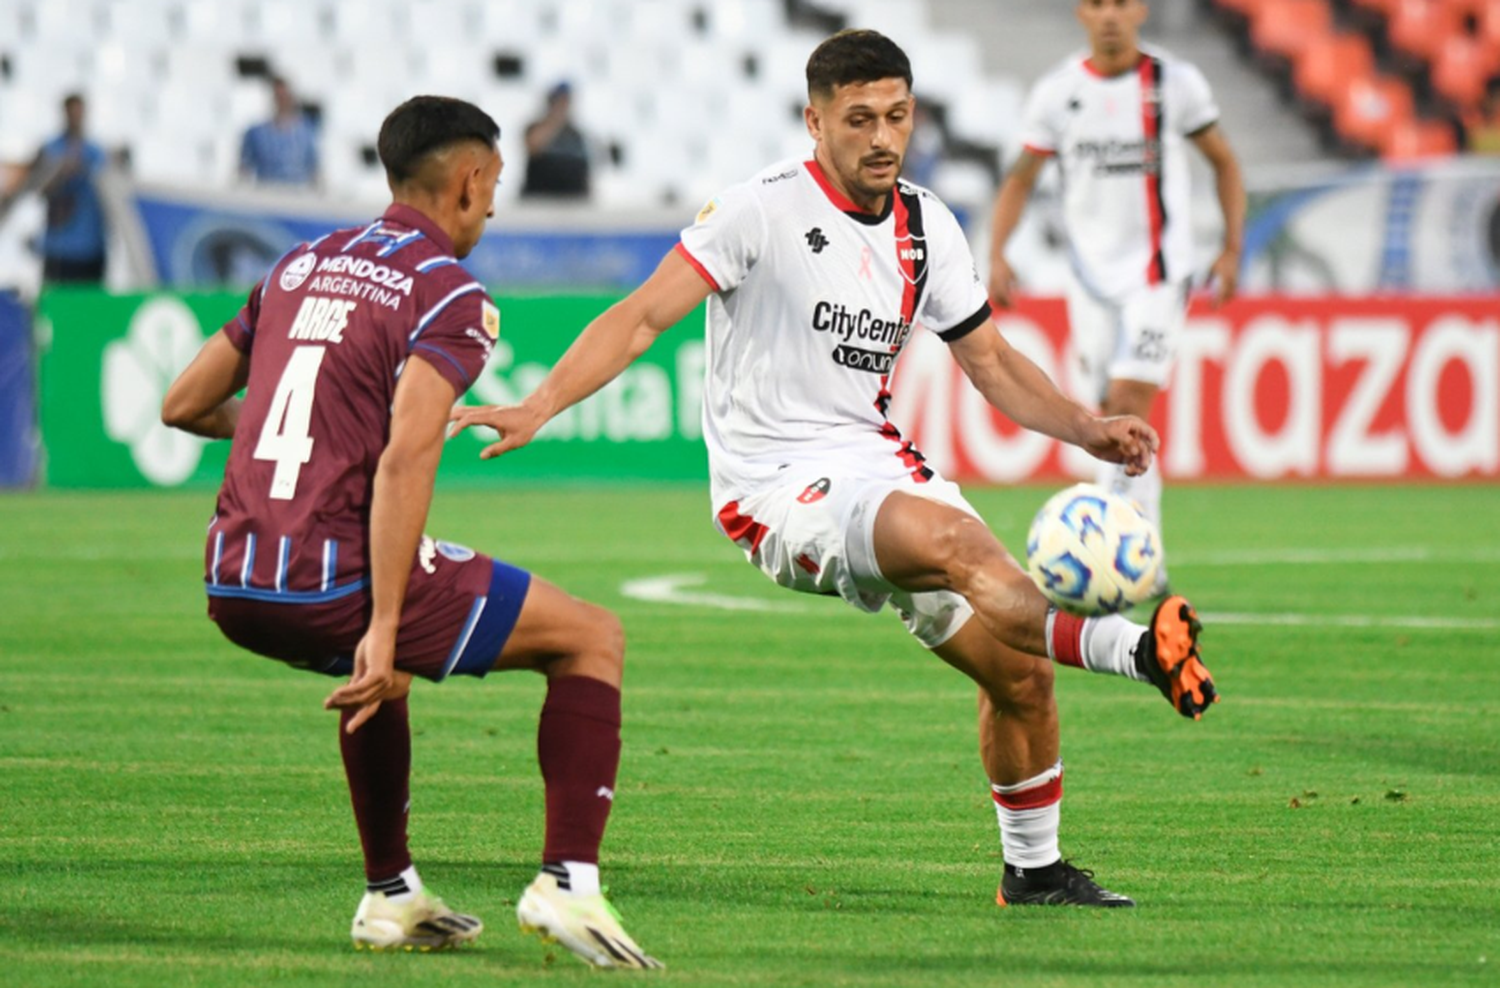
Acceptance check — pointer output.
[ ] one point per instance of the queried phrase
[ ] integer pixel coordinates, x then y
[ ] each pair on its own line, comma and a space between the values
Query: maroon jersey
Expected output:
328, 333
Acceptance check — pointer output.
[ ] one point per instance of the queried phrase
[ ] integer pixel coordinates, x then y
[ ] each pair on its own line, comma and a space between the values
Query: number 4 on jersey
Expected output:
284, 438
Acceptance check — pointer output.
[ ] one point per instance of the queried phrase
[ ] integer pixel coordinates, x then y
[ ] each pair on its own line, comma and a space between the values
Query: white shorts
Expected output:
816, 533
1133, 339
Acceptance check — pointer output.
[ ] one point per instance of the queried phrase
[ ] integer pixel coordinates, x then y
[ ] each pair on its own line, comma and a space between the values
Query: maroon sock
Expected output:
377, 763
578, 744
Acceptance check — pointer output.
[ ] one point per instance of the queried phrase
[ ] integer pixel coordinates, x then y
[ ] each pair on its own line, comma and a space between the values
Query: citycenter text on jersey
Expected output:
864, 325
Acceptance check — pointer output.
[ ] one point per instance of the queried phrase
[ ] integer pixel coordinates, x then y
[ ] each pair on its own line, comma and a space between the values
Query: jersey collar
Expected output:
417, 220
844, 203
1093, 70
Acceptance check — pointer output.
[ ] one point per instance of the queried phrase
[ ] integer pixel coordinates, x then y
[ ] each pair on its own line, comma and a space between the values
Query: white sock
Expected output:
1109, 644
576, 878
403, 888
1029, 813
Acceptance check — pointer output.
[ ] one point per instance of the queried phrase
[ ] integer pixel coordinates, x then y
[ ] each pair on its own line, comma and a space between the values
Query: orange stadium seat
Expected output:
1325, 67
1462, 68
1369, 107
1285, 27
1419, 27
1413, 139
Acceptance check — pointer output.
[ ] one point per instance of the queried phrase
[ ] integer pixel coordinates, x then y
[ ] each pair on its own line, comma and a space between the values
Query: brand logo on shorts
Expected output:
816, 491
457, 553
295, 273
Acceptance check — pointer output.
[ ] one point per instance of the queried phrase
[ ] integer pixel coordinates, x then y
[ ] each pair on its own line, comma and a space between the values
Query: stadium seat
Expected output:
1369, 107
1323, 69
1462, 68
1284, 27
1409, 140
1420, 27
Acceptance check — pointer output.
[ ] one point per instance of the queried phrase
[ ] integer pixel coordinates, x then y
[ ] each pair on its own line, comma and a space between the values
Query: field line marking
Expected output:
1415, 622
674, 588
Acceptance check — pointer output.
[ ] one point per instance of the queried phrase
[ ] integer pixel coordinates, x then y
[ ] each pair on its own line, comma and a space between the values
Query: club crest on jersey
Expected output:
457, 553
911, 253
816, 491
295, 273
491, 319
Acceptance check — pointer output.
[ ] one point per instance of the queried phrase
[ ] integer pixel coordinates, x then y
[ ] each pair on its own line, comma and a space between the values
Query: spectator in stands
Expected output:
284, 149
925, 150
557, 156
65, 171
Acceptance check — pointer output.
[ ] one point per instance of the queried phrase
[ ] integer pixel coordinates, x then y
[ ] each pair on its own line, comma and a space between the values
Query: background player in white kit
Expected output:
1118, 119
815, 272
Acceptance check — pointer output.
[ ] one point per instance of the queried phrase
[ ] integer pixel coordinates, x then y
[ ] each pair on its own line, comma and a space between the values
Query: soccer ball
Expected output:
1092, 552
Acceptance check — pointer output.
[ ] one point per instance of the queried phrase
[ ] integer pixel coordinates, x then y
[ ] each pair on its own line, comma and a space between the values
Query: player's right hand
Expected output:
516, 424
1002, 283
375, 680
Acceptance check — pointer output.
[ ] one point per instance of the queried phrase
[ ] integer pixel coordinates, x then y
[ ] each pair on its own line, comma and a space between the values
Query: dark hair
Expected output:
72, 98
855, 56
425, 124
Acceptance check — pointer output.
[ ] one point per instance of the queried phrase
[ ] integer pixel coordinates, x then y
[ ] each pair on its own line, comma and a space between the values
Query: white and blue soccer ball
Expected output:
1092, 552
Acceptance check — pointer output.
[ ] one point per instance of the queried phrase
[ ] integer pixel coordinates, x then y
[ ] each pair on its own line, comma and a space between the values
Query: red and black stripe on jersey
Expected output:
1152, 113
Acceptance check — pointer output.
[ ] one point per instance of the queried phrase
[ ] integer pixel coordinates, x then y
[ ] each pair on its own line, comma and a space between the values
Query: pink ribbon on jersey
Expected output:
864, 262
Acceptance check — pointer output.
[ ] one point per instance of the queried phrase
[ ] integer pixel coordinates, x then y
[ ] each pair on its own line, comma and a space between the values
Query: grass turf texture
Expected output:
800, 801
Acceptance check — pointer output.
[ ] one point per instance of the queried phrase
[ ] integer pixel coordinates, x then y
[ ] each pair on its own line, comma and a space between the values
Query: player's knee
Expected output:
598, 646
970, 553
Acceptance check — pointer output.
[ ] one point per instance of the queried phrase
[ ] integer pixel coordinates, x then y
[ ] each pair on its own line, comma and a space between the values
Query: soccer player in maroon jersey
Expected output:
351, 353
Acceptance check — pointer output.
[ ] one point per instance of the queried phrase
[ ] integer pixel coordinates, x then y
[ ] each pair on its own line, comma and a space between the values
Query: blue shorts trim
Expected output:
491, 620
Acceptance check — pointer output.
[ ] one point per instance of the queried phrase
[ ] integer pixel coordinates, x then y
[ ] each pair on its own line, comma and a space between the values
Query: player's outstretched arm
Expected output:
1017, 387
398, 512
1009, 204
202, 399
1229, 183
606, 347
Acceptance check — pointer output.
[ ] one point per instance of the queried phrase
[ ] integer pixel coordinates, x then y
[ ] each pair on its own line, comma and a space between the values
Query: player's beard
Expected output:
874, 188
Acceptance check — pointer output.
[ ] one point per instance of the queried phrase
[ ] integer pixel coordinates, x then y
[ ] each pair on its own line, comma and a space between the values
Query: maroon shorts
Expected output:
456, 618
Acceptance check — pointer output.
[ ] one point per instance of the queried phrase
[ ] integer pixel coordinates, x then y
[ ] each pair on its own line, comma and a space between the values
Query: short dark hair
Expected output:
71, 99
855, 56
426, 124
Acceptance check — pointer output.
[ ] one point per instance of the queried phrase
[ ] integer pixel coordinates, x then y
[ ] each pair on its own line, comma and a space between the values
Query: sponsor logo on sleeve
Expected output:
709, 208
491, 319
295, 273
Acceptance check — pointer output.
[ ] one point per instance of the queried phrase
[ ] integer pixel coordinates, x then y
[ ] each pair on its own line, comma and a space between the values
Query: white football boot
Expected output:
421, 923
586, 924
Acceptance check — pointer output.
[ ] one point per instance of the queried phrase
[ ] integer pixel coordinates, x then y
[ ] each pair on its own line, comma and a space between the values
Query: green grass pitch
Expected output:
800, 800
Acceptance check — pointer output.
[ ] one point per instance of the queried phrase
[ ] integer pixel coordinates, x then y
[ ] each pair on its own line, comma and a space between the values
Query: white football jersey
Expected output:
1121, 144
813, 300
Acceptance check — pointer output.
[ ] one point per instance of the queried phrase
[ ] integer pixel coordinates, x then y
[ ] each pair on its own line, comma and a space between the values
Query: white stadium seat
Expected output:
664, 80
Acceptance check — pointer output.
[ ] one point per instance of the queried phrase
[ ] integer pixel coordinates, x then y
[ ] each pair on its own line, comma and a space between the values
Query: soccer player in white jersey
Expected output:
1118, 120
815, 272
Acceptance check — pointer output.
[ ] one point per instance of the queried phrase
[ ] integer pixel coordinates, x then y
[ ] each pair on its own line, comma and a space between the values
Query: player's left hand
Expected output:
375, 680
1123, 439
1225, 276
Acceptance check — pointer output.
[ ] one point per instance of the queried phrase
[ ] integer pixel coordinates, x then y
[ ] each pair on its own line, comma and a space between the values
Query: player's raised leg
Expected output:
580, 648
922, 544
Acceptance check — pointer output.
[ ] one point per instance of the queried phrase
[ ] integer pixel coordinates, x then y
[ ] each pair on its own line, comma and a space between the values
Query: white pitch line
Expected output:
673, 589
1414, 623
